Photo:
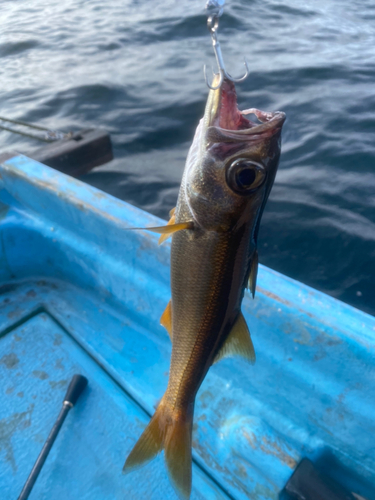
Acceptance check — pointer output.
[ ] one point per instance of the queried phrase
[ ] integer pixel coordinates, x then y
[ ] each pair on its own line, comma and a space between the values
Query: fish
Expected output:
228, 176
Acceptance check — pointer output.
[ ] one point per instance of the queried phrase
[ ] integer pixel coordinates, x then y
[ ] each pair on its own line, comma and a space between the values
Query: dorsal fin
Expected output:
238, 342
253, 274
166, 319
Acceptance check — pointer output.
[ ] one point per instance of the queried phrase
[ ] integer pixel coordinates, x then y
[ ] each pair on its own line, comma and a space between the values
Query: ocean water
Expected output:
134, 68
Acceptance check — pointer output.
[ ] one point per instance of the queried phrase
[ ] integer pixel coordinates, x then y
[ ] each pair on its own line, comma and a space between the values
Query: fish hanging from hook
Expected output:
214, 9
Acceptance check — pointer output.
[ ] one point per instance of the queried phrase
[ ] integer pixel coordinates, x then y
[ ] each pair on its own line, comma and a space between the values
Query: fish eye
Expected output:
245, 176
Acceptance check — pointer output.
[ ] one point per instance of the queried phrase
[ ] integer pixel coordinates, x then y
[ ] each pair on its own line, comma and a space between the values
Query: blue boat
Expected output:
81, 295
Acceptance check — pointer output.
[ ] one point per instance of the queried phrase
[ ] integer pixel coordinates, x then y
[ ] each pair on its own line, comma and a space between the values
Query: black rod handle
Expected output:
76, 386
75, 389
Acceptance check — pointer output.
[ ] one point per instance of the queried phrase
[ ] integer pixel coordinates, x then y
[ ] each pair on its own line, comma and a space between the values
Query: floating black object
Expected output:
76, 386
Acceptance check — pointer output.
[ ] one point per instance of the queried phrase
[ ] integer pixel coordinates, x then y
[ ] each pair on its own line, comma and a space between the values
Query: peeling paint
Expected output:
270, 447
57, 339
40, 374
10, 425
279, 299
250, 438
261, 492
205, 398
273, 448
304, 336
240, 470
273, 296
58, 364
206, 455
59, 384
9, 360
15, 313
202, 418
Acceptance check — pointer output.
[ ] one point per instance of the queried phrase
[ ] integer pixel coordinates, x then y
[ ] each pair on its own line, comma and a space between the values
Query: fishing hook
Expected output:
213, 24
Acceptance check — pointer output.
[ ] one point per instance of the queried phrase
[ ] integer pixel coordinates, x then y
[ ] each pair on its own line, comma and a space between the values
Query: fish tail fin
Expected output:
150, 443
165, 431
178, 454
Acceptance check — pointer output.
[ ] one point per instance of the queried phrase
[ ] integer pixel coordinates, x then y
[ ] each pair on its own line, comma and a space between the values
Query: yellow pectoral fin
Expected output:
238, 342
253, 274
166, 319
171, 221
172, 212
169, 229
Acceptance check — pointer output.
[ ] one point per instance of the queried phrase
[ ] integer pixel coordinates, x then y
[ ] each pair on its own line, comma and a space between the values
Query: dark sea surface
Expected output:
134, 68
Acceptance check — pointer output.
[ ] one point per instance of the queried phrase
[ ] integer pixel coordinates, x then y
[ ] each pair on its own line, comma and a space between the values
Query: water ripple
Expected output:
135, 69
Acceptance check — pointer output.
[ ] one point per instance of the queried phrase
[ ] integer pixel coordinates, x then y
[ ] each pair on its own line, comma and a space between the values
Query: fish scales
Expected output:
206, 296
228, 176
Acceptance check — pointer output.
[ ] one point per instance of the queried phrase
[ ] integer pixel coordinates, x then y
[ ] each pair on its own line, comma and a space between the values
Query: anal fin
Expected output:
238, 342
166, 319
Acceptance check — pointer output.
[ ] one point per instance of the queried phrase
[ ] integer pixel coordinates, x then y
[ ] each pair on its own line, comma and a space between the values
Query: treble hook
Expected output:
213, 24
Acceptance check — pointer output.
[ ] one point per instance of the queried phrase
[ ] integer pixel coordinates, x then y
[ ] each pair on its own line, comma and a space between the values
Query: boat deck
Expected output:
79, 294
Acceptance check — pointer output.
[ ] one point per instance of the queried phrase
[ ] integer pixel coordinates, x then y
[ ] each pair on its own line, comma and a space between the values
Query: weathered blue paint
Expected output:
80, 294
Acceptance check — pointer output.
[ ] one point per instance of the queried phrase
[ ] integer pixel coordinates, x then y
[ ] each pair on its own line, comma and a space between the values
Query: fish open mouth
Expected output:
227, 117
